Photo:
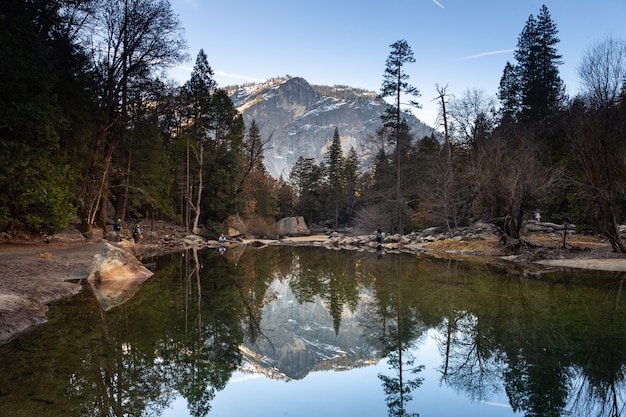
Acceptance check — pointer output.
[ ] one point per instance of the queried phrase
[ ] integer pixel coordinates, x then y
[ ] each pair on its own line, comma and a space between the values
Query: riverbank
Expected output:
35, 274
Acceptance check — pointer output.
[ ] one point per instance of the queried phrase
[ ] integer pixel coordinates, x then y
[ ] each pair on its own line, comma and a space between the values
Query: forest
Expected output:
92, 129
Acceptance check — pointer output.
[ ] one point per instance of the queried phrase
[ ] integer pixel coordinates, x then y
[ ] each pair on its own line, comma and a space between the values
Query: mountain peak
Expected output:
301, 118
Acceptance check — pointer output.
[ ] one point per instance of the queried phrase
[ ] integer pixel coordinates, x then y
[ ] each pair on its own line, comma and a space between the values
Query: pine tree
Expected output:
509, 93
306, 178
223, 163
541, 88
150, 180
198, 92
351, 177
334, 166
395, 83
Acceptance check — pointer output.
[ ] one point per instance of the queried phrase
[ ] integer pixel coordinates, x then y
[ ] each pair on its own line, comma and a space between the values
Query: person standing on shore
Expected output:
137, 232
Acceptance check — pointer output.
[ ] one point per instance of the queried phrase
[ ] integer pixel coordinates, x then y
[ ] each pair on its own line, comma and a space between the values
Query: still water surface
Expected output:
285, 331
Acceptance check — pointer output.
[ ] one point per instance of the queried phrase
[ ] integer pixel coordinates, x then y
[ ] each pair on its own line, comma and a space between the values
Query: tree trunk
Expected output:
93, 206
196, 207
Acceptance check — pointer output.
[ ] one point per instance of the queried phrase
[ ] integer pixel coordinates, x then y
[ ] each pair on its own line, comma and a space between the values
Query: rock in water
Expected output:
114, 263
115, 276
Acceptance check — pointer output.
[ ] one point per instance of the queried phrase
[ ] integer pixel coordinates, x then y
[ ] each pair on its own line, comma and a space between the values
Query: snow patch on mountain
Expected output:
301, 119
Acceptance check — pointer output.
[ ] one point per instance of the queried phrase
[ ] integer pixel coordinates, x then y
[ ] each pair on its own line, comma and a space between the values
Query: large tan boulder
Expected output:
115, 263
292, 226
235, 226
115, 276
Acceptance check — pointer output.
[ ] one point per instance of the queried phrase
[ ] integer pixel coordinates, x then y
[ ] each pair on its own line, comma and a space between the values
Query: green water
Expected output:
311, 332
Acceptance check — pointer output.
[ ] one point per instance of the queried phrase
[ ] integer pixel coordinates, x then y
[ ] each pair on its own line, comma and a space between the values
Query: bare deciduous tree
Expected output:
596, 134
472, 116
602, 71
132, 41
511, 181
597, 140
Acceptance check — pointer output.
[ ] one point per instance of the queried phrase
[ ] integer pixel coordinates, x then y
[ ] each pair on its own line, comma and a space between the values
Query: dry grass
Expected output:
540, 245
487, 246
556, 241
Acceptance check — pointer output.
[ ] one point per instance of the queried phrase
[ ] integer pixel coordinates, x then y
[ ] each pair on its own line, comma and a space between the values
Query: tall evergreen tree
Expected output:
351, 178
334, 174
395, 83
306, 177
150, 181
198, 92
509, 94
252, 149
223, 168
541, 87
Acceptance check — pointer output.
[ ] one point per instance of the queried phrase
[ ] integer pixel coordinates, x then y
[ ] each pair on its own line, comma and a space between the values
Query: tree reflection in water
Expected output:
395, 324
556, 347
554, 344
599, 385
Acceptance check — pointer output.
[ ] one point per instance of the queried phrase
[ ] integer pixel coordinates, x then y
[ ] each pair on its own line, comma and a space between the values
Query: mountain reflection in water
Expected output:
310, 331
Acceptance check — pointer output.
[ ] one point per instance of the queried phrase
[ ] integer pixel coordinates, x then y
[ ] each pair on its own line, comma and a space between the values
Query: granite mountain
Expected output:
300, 119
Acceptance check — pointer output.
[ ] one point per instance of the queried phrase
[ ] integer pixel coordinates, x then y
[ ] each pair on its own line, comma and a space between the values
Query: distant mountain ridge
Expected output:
301, 119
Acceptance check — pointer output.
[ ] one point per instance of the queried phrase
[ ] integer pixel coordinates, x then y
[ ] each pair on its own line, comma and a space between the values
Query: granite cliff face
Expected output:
301, 119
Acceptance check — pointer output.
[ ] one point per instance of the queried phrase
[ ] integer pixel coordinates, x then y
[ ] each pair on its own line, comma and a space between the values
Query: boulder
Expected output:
115, 263
68, 235
193, 241
115, 276
292, 226
112, 236
235, 226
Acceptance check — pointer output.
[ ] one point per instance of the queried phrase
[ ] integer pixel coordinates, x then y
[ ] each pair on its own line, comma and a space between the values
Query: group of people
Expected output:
137, 230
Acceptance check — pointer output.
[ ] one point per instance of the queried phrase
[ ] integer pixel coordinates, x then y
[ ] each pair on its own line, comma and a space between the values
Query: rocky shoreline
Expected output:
37, 273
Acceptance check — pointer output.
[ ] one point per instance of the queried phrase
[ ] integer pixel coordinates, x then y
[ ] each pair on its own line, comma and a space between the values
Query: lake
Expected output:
301, 331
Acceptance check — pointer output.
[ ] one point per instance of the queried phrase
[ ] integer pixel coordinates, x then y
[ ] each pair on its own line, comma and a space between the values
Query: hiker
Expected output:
137, 232
379, 235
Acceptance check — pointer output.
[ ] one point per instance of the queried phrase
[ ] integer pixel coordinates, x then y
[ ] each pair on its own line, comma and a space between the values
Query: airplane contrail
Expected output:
438, 4
482, 54
223, 74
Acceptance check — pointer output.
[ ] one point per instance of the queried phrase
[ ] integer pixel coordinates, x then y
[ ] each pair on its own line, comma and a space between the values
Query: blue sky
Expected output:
459, 43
